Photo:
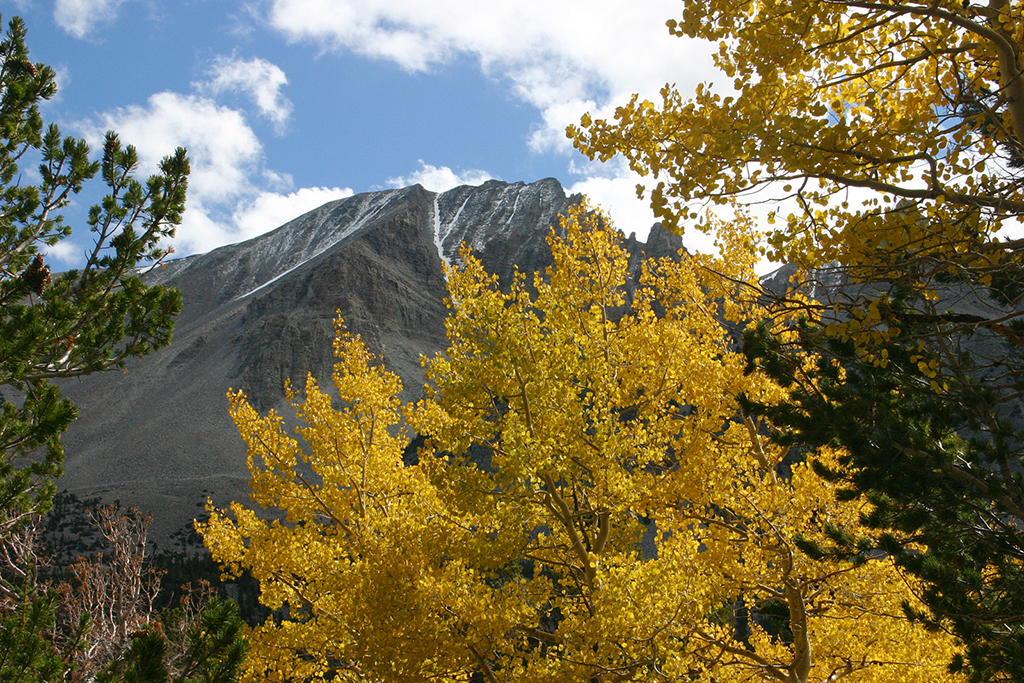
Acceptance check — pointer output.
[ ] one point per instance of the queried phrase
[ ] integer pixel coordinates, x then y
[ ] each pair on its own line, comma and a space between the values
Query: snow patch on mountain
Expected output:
309, 236
437, 231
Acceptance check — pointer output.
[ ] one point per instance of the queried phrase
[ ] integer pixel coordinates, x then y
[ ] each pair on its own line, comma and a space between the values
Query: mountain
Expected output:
158, 436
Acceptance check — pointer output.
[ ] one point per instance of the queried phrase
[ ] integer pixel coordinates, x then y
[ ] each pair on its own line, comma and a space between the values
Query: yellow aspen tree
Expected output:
915, 104
362, 558
591, 503
892, 133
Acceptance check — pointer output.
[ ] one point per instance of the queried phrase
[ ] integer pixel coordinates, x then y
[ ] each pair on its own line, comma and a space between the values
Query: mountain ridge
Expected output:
260, 312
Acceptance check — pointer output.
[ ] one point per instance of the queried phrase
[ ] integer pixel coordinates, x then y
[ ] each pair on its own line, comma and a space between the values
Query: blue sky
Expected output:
287, 104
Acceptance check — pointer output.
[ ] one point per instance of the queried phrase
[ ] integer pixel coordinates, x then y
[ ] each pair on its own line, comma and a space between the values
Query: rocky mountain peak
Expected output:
260, 312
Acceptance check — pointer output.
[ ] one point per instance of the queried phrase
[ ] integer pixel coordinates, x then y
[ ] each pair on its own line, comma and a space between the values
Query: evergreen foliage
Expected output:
27, 655
55, 326
84, 320
940, 472
177, 649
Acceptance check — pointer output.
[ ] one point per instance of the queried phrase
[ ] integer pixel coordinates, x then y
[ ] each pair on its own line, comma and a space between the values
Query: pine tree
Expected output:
84, 320
55, 326
206, 649
939, 471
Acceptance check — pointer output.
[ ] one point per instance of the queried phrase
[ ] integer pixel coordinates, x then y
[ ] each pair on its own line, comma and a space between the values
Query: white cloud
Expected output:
231, 197
563, 57
65, 251
201, 232
612, 187
616, 195
270, 210
223, 149
62, 78
440, 179
79, 17
259, 79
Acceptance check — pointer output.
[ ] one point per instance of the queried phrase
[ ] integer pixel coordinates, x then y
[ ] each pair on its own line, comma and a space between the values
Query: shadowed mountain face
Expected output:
158, 436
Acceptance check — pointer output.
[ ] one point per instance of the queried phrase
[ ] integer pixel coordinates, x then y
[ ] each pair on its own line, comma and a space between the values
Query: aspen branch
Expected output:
771, 669
801, 666
755, 441
556, 504
526, 403
485, 667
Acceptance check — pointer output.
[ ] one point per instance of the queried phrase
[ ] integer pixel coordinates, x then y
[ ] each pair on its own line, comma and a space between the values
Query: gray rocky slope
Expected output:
158, 436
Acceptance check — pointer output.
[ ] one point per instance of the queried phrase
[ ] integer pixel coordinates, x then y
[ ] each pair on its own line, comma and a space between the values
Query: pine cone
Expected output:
37, 276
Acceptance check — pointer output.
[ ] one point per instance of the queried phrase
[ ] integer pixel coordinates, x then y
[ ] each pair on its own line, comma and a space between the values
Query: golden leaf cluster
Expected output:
893, 127
590, 502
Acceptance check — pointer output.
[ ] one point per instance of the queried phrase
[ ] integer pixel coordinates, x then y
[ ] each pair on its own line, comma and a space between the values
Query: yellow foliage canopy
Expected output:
591, 502
916, 106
